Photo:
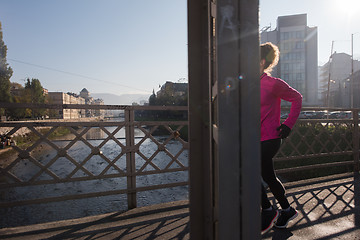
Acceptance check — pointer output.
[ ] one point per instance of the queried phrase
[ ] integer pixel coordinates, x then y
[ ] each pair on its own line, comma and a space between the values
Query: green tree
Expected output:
5, 74
34, 93
17, 93
167, 97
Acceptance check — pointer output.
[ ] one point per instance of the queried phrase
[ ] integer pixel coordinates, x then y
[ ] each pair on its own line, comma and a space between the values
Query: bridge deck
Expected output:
326, 206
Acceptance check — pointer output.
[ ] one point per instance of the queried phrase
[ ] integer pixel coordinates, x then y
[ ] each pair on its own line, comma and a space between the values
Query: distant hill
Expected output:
124, 99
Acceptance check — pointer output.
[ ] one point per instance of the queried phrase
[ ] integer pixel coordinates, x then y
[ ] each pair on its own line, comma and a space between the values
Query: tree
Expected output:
5, 73
34, 93
17, 91
168, 97
152, 99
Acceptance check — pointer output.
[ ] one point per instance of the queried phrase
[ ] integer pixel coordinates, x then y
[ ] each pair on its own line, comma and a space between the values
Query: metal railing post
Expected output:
356, 140
356, 167
130, 158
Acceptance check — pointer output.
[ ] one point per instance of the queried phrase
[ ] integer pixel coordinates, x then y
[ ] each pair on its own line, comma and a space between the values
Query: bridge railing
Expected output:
323, 142
129, 156
93, 158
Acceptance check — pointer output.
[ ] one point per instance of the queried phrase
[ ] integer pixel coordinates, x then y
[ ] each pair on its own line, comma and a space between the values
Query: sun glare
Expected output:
348, 7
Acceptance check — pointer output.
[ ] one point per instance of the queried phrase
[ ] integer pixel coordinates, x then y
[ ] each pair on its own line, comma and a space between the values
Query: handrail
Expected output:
137, 163
90, 106
319, 138
330, 137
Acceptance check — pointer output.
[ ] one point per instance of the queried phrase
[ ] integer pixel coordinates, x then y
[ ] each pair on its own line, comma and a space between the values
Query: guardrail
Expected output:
321, 143
311, 141
113, 151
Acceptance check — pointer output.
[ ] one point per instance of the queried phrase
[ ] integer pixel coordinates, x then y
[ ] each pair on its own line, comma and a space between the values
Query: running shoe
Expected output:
268, 218
286, 217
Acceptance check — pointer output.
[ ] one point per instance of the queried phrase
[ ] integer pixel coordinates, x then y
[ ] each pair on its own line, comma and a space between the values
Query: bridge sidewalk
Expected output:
326, 211
163, 221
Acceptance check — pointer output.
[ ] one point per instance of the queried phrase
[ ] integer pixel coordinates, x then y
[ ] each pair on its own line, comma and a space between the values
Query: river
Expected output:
38, 213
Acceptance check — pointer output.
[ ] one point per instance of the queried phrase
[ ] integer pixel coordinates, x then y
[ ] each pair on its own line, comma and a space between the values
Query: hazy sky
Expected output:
132, 46
336, 20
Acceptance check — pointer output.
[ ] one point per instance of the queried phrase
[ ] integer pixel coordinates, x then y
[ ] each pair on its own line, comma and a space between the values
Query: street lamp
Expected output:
330, 60
332, 93
352, 70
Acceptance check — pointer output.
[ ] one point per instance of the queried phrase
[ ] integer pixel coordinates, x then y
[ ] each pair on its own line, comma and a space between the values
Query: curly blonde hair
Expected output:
270, 53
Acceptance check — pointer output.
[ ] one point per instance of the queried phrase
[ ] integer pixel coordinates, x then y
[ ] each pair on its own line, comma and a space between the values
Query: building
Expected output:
339, 80
298, 54
72, 98
66, 98
173, 89
98, 112
86, 95
343, 93
91, 101
355, 88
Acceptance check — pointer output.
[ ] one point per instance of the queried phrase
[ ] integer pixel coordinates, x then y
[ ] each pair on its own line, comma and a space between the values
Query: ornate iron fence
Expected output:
322, 142
94, 151
130, 160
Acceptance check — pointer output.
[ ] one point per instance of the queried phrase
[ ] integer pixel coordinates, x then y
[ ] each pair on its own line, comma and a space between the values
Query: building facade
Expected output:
344, 93
298, 55
85, 94
173, 89
66, 98
337, 84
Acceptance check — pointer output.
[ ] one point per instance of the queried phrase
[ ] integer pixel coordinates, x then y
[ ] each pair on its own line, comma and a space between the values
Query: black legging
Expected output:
268, 150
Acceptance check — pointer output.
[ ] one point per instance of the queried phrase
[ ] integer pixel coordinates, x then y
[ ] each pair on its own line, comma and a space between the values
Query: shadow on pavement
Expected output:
328, 209
153, 223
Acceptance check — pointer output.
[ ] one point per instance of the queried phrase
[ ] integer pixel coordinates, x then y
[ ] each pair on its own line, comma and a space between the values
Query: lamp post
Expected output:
352, 73
328, 90
333, 96
352, 85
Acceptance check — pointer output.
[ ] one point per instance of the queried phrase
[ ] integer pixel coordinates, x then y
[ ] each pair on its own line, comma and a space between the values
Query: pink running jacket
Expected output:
272, 90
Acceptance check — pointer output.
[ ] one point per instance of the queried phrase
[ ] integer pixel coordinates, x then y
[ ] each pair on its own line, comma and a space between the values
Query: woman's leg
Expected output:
265, 203
268, 150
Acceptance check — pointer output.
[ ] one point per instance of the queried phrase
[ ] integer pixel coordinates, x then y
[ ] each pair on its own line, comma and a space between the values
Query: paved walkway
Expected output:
326, 210
326, 206
163, 221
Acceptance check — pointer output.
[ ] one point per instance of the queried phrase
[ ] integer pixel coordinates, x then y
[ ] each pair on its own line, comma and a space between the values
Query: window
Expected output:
286, 46
286, 76
299, 45
284, 36
299, 76
286, 66
300, 34
286, 56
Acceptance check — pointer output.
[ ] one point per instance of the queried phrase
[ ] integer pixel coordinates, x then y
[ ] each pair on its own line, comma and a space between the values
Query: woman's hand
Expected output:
284, 131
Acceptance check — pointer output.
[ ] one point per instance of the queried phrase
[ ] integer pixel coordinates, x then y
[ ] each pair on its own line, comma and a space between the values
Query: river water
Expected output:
38, 213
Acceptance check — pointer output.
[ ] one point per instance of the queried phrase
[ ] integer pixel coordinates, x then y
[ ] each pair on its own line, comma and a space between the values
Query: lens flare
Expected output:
348, 7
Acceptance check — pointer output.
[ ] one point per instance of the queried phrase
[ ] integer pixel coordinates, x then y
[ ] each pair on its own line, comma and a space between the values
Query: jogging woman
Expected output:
273, 90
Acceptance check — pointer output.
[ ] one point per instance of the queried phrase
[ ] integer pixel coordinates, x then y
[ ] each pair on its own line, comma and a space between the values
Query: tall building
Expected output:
338, 87
298, 55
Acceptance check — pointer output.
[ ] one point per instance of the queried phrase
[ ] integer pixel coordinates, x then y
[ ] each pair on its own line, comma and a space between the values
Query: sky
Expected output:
335, 20
133, 46
106, 46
